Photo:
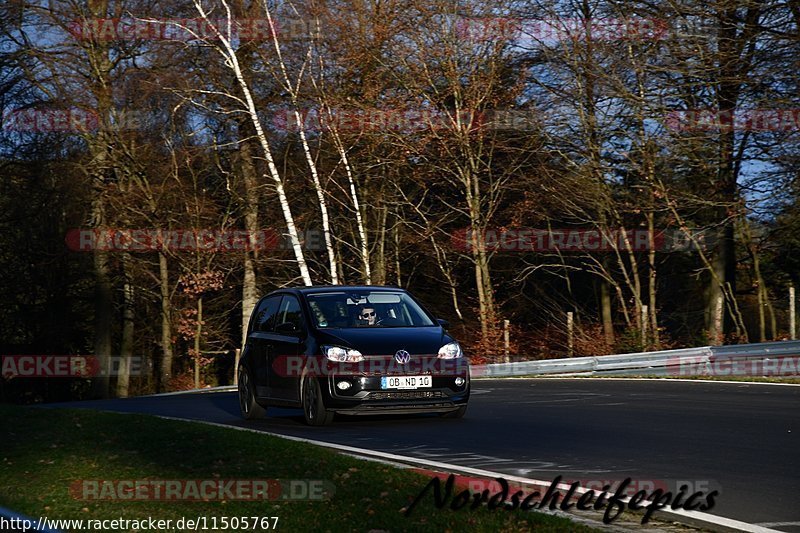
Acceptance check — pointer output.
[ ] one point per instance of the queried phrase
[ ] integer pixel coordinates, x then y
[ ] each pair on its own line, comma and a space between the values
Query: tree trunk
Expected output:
103, 311
197, 336
734, 60
397, 271
249, 282
652, 288
99, 173
126, 345
483, 281
232, 61
323, 202
354, 198
480, 257
715, 294
166, 323
606, 312
761, 289
379, 272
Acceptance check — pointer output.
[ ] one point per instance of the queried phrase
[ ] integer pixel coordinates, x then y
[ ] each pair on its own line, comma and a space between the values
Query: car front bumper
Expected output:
365, 395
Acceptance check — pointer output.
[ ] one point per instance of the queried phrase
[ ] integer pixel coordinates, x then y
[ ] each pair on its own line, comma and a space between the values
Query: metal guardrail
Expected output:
761, 349
705, 360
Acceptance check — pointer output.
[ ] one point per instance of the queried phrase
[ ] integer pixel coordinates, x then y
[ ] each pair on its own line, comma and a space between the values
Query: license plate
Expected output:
406, 382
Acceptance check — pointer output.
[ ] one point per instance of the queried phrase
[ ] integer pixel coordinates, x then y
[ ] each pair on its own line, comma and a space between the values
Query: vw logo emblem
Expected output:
402, 357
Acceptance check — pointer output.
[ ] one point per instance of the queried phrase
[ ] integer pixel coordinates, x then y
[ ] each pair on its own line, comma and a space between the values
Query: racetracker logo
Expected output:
185, 240
74, 120
67, 366
190, 29
775, 120
572, 240
202, 489
556, 30
724, 366
402, 120
296, 366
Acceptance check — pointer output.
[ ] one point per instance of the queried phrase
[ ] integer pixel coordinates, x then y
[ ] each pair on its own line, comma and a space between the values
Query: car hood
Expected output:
386, 341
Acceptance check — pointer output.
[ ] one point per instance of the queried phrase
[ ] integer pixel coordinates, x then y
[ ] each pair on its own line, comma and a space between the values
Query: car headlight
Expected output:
342, 355
450, 351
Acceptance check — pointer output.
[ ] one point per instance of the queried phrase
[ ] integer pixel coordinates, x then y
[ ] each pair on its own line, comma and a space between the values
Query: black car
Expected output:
351, 350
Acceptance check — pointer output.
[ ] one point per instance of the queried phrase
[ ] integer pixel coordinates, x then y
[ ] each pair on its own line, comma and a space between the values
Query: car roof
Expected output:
328, 288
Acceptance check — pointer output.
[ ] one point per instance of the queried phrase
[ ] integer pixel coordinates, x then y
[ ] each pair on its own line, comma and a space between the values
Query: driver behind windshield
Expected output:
368, 316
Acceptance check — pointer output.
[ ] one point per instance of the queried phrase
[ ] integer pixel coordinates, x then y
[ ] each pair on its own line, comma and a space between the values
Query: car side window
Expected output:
290, 312
256, 316
265, 317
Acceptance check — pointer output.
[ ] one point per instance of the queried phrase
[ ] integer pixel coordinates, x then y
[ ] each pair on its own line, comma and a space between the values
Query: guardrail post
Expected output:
236, 366
792, 314
570, 334
644, 327
718, 318
505, 340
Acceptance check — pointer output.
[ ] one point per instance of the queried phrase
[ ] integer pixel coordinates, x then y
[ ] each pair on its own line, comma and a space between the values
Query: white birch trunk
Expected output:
232, 62
312, 167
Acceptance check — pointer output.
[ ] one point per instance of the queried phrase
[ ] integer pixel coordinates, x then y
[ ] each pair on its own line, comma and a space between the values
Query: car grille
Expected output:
404, 395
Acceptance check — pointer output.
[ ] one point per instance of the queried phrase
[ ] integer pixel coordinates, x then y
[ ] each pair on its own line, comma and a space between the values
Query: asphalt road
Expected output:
741, 438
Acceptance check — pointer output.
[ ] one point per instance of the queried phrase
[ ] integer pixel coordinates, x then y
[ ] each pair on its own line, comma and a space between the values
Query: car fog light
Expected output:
343, 385
459, 382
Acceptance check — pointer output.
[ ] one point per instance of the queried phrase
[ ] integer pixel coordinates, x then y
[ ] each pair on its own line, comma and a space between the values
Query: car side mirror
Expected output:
287, 328
444, 323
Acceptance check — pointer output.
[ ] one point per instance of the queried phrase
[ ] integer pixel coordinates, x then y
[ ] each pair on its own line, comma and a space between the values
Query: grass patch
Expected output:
45, 450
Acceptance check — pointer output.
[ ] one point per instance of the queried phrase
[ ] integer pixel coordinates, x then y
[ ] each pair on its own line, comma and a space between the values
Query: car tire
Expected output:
314, 410
458, 413
248, 405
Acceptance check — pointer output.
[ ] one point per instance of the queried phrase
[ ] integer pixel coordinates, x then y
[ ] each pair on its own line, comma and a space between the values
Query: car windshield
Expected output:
366, 309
